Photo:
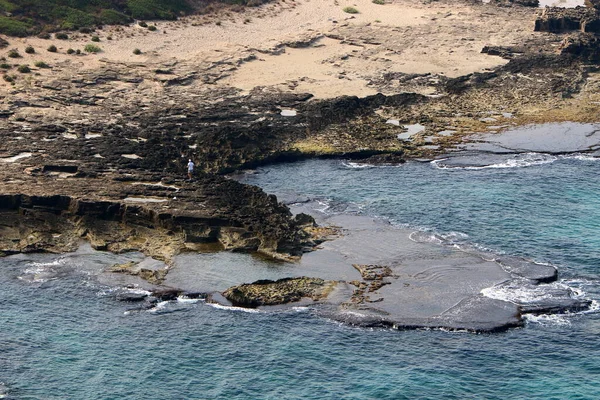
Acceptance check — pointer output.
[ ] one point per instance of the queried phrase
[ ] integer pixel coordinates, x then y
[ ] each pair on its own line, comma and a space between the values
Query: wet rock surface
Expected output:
100, 154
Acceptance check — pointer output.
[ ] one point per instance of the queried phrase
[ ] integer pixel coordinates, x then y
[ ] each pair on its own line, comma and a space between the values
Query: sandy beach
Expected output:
347, 52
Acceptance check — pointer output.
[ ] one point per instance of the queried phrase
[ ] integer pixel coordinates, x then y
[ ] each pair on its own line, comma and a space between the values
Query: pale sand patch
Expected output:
407, 36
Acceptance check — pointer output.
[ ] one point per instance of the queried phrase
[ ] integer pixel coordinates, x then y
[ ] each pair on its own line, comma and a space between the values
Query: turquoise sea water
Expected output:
64, 336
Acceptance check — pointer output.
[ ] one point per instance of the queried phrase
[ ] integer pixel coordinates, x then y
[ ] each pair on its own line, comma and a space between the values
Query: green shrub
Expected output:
73, 18
157, 9
5, 66
61, 36
29, 49
95, 39
24, 69
44, 35
52, 48
70, 51
350, 10
152, 28
13, 27
92, 48
137, 52
41, 64
380, 2
143, 24
14, 53
9, 78
77, 51
112, 17
109, 37
7, 6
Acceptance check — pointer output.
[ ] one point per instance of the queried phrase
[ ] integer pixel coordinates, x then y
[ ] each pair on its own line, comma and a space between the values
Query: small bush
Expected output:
143, 24
5, 66
41, 64
92, 48
61, 36
137, 52
109, 38
14, 53
70, 51
380, 2
85, 30
152, 28
29, 50
95, 39
350, 10
44, 35
9, 78
52, 48
218, 23
247, 20
77, 51
24, 69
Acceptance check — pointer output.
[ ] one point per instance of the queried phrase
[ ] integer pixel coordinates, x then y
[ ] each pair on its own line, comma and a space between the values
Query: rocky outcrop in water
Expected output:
282, 291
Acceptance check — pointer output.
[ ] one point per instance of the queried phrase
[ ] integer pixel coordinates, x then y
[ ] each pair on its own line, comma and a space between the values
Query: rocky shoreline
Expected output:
100, 154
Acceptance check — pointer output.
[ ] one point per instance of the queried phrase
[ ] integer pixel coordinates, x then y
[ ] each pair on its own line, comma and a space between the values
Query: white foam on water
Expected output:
425, 237
548, 319
300, 309
356, 165
159, 306
580, 157
518, 161
232, 308
517, 294
521, 161
187, 300
361, 165
41, 272
323, 206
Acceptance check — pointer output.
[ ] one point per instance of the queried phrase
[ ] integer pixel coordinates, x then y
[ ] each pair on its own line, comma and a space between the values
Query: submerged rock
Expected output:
522, 268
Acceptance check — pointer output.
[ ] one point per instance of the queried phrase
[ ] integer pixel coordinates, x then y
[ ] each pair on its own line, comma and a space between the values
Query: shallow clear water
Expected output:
64, 336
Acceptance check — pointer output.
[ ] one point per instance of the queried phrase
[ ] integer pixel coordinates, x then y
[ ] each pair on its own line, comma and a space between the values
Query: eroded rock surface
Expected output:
283, 291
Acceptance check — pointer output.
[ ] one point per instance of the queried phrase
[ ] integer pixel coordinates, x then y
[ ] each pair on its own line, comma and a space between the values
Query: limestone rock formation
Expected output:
282, 291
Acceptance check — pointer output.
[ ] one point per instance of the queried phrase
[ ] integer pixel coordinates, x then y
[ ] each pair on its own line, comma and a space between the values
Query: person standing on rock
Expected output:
190, 168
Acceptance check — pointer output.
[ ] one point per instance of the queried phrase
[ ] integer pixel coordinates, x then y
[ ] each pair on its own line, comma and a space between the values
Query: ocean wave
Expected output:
548, 319
357, 165
516, 161
40, 272
233, 308
364, 165
524, 293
